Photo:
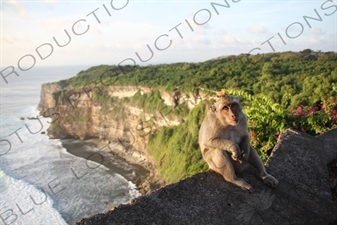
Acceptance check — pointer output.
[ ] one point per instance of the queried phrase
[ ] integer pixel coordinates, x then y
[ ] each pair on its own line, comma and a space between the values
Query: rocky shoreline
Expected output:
107, 153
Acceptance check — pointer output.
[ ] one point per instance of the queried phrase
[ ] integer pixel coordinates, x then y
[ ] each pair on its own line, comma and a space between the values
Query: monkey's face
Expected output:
230, 111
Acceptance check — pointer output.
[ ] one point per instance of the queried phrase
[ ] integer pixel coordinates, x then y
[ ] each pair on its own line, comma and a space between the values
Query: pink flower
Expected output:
277, 133
303, 130
300, 109
312, 110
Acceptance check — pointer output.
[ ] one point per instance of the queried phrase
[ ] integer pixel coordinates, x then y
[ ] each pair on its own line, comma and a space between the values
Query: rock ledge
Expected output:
298, 161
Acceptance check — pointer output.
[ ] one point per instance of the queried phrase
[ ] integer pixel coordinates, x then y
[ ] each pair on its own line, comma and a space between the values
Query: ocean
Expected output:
40, 181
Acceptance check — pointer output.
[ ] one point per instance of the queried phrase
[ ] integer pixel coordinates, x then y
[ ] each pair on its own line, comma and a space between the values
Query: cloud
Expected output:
17, 8
201, 40
230, 40
219, 32
58, 24
234, 43
258, 30
317, 31
315, 41
94, 31
200, 23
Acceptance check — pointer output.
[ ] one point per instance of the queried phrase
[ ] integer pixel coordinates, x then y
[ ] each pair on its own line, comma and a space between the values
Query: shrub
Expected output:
267, 119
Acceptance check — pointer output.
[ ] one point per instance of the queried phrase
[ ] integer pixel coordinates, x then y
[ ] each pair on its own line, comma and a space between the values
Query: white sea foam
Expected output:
22, 203
68, 188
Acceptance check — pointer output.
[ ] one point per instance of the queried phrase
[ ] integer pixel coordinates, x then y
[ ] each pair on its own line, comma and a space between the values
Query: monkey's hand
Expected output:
244, 156
236, 152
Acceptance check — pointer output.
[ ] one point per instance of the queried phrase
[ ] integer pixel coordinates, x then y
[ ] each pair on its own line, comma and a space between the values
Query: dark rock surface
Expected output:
332, 166
298, 161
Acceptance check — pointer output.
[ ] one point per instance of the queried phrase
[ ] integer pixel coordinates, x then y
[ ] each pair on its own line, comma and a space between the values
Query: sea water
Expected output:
40, 182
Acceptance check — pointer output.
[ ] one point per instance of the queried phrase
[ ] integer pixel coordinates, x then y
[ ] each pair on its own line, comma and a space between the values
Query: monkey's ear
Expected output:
235, 98
220, 94
212, 108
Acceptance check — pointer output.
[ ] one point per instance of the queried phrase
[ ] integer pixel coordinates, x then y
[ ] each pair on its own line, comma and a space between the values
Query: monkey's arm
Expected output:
226, 145
245, 147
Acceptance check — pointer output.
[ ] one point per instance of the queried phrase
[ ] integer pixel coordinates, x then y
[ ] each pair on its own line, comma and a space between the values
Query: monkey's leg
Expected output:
256, 162
220, 162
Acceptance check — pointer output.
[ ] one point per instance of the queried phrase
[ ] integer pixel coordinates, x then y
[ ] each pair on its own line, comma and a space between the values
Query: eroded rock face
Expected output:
298, 161
48, 96
83, 114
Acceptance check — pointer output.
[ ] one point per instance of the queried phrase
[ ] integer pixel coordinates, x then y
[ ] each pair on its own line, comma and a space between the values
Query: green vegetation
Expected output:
81, 119
119, 112
176, 150
267, 119
150, 102
55, 127
90, 76
101, 96
307, 76
278, 90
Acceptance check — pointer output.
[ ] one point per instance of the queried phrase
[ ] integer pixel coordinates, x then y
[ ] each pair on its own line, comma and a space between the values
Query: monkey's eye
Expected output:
226, 107
233, 105
230, 106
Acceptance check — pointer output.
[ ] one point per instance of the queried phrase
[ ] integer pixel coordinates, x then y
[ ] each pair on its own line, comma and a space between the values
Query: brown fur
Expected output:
225, 145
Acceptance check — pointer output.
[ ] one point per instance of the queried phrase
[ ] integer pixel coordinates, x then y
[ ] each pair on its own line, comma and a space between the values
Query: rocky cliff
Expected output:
298, 161
110, 113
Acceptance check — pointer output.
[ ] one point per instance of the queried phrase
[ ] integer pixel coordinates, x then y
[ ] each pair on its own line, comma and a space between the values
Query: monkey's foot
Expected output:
243, 184
270, 180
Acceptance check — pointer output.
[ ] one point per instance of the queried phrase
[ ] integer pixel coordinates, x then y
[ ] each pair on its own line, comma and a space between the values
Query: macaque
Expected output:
225, 144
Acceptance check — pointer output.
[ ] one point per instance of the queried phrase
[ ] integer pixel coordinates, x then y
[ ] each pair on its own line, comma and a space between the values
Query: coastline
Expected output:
117, 159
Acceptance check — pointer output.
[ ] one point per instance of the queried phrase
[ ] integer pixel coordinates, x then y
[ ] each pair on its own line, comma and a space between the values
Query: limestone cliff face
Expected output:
49, 96
106, 113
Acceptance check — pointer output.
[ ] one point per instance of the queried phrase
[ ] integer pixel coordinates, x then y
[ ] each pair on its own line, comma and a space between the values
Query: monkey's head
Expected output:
228, 109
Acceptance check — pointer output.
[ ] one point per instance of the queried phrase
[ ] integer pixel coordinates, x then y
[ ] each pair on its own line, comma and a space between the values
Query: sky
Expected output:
56, 33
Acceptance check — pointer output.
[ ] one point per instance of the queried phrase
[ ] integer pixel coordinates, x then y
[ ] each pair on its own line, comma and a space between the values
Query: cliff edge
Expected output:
298, 161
